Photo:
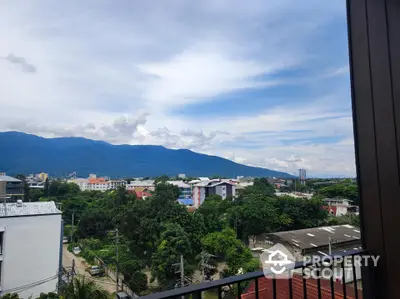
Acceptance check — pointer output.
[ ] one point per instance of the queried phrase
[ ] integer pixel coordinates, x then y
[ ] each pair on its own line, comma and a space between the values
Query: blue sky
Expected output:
263, 83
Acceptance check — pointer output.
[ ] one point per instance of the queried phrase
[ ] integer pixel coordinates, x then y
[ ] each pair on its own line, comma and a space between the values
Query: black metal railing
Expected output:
256, 285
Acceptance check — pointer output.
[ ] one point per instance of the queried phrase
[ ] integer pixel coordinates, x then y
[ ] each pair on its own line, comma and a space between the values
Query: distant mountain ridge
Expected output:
26, 153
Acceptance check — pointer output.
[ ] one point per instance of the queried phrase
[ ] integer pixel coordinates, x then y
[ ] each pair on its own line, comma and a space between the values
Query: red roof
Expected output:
140, 194
282, 289
330, 209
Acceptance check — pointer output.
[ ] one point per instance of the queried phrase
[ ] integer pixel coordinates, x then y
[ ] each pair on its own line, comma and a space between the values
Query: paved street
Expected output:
80, 266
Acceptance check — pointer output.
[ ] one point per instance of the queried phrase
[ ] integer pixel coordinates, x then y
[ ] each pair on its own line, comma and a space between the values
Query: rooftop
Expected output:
6, 178
318, 236
265, 289
28, 209
180, 184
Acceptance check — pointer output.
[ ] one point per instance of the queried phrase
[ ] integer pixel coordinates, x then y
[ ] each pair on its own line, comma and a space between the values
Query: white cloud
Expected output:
115, 71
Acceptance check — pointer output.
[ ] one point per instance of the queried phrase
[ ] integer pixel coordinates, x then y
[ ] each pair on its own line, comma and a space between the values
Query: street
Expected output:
80, 265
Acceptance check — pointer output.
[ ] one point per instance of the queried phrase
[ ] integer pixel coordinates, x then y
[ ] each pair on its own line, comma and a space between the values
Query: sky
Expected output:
263, 83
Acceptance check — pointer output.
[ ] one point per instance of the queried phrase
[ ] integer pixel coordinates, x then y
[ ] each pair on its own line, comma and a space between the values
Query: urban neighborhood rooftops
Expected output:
28, 209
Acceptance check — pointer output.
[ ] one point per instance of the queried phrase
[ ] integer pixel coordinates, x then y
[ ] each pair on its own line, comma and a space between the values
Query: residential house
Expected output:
185, 196
14, 188
339, 207
30, 248
141, 194
212, 187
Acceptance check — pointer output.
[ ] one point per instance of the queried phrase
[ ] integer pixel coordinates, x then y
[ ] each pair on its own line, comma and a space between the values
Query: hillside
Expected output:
25, 153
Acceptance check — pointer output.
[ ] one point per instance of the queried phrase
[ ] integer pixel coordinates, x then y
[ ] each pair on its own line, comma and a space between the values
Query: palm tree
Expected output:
81, 288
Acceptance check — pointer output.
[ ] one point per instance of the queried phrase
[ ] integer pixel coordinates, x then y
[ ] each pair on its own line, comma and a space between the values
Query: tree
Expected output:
46, 190
174, 242
343, 190
10, 296
226, 247
48, 296
214, 211
81, 288
137, 282
301, 213
261, 186
167, 191
161, 179
257, 215
36, 194
95, 223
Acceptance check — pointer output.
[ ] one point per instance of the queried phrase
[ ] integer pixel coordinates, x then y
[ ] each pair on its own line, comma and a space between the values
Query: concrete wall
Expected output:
31, 253
3, 188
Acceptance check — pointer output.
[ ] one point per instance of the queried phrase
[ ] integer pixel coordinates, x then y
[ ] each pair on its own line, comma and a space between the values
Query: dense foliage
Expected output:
155, 233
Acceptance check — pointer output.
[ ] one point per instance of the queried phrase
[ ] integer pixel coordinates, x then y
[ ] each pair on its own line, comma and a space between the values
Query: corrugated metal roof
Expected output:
28, 209
319, 236
6, 178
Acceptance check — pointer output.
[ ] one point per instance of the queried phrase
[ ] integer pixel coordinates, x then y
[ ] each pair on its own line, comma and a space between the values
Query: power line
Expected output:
33, 284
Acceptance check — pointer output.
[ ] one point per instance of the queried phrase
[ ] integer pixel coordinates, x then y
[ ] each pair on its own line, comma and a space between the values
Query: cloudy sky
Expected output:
263, 83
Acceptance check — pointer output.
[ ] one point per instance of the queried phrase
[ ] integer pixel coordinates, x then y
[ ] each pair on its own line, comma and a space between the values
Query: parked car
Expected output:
122, 295
96, 271
65, 240
76, 250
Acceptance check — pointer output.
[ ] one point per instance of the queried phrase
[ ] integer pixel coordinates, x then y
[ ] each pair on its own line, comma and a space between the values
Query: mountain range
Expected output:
26, 153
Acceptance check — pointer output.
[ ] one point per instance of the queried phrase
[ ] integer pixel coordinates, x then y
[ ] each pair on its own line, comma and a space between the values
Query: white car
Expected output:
76, 250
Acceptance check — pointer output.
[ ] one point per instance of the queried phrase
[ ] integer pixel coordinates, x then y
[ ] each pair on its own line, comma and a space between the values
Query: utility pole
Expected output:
181, 271
182, 274
204, 258
73, 270
117, 244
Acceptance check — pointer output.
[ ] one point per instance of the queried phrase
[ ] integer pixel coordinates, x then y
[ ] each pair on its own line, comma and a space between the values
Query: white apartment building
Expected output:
30, 248
97, 184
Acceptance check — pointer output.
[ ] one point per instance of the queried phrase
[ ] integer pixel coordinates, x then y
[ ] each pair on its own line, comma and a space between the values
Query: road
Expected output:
105, 282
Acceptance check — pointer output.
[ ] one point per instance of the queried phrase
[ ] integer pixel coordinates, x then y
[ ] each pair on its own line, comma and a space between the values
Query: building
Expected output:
31, 244
316, 241
212, 187
185, 195
115, 184
182, 176
14, 188
146, 184
43, 176
302, 176
93, 183
339, 207
141, 195
97, 184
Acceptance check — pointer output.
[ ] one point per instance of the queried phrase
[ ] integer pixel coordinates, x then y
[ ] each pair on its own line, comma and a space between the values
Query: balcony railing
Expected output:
255, 285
